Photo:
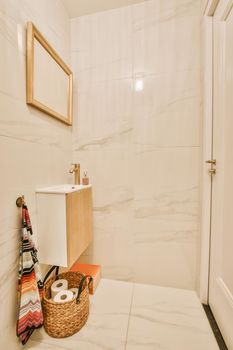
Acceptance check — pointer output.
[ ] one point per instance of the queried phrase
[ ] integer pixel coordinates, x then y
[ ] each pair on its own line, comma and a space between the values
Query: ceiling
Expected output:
78, 8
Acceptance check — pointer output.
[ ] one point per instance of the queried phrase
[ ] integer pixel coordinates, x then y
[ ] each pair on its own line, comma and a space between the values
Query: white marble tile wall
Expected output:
203, 5
141, 149
35, 149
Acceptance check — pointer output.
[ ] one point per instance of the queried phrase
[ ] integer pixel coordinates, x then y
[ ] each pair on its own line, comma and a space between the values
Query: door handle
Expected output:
211, 161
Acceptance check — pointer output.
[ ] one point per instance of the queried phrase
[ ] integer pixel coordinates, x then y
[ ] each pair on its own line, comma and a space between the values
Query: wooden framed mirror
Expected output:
49, 79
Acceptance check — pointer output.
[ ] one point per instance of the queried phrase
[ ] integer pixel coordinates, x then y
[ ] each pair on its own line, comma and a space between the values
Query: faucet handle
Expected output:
76, 165
76, 170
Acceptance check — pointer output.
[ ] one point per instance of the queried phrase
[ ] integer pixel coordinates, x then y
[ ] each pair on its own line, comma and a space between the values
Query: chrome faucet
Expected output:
76, 171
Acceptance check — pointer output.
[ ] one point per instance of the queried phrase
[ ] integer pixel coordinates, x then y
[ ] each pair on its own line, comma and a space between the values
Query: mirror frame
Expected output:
32, 34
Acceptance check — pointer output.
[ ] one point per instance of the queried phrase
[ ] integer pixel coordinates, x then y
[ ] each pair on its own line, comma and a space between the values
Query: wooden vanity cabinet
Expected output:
64, 222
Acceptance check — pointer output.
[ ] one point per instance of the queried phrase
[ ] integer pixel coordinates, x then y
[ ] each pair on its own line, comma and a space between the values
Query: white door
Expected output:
221, 252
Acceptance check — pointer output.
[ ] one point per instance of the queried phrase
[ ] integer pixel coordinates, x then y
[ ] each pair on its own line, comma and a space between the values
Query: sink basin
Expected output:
66, 188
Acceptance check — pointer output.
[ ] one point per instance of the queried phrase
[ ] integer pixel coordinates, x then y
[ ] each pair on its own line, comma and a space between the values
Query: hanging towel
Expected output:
30, 283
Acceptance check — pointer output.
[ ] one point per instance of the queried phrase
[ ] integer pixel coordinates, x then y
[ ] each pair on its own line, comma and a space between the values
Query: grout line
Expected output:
131, 304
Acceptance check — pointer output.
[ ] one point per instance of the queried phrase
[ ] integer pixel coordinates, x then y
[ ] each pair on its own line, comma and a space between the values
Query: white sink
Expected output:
66, 188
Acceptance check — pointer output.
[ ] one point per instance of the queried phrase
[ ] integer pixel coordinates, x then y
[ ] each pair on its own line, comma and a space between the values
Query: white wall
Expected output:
141, 148
35, 149
203, 5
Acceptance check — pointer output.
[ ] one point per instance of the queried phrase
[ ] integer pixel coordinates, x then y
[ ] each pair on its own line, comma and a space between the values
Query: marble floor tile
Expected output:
127, 316
106, 327
168, 319
35, 345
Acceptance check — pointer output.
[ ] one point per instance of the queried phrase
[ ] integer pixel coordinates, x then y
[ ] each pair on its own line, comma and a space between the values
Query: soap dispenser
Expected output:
85, 179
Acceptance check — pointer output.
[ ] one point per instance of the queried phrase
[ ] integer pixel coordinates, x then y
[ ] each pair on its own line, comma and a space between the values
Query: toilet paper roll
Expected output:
74, 291
57, 286
63, 296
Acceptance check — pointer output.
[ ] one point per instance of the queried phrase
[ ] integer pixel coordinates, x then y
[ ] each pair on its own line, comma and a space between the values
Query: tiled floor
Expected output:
127, 316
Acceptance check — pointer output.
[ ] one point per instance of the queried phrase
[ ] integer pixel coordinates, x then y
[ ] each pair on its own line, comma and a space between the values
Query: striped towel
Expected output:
30, 283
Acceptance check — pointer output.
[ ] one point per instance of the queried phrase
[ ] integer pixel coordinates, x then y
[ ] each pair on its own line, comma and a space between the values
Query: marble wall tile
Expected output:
166, 170
113, 244
166, 225
112, 209
166, 258
203, 5
167, 111
166, 38
18, 122
141, 148
101, 46
15, 14
104, 115
35, 149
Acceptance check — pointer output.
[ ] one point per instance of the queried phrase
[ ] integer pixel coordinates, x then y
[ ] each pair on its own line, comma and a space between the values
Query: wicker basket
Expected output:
64, 319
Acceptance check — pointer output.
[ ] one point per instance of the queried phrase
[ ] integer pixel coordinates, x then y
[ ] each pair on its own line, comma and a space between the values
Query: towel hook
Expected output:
20, 201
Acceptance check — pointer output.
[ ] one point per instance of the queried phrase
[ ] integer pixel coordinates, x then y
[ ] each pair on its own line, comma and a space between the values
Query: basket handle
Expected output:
80, 288
50, 271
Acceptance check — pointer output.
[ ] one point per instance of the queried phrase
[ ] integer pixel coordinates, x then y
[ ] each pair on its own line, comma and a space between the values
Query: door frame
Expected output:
207, 141
207, 146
